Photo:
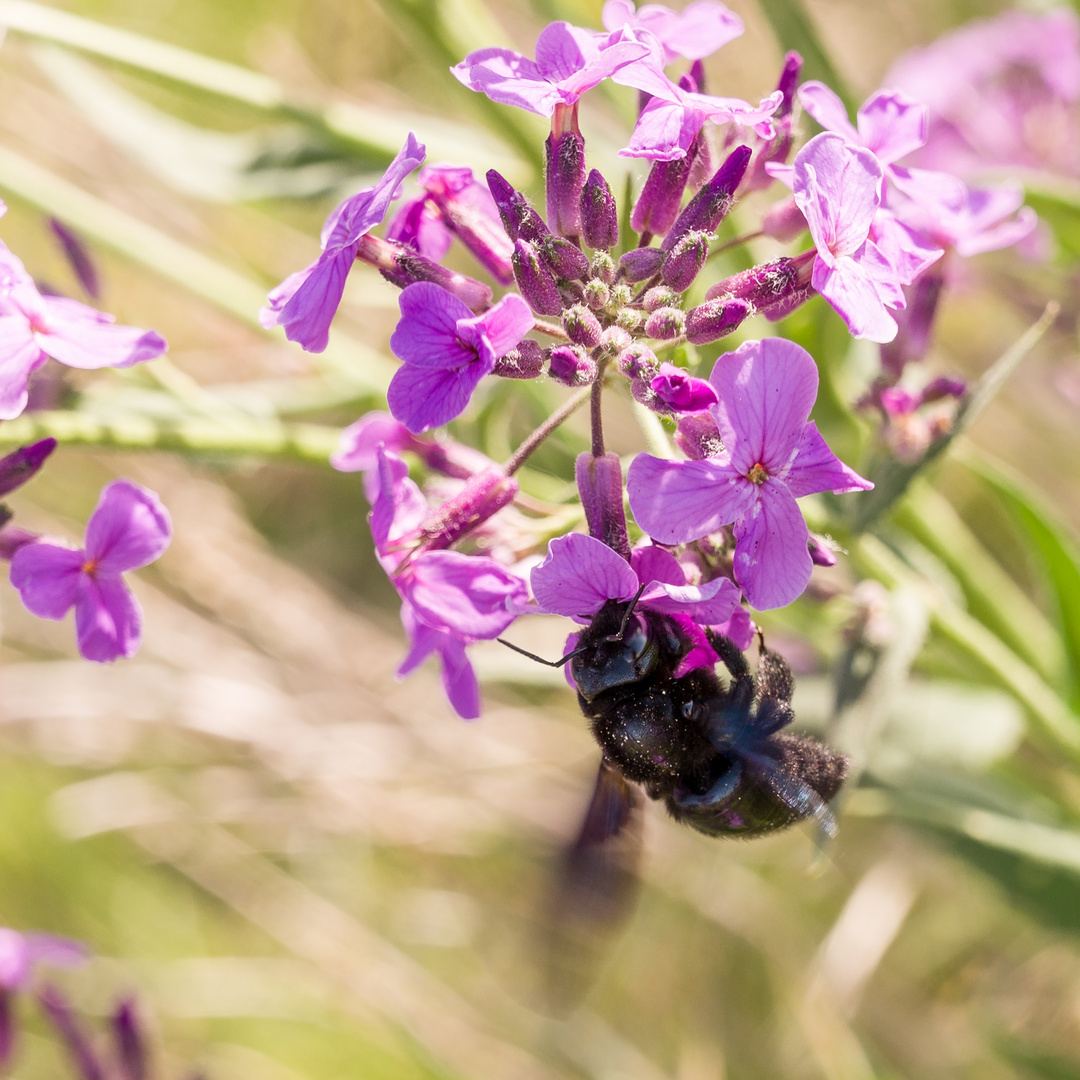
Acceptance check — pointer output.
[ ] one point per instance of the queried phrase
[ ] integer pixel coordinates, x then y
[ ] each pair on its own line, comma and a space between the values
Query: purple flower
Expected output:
697, 31
1001, 92
454, 204
34, 327
681, 392
838, 190
129, 529
580, 575
447, 351
569, 61
305, 302
771, 456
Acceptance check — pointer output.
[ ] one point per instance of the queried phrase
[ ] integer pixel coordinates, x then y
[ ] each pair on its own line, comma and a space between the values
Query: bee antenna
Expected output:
539, 659
626, 615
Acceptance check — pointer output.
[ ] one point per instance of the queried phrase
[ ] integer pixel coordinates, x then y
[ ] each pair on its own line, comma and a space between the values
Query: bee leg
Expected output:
774, 679
721, 791
741, 692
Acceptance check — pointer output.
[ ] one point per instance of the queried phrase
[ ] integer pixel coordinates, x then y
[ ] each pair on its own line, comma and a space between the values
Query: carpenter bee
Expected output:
715, 753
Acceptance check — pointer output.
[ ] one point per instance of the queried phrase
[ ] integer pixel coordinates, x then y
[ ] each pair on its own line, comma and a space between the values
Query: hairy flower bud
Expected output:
614, 340
665, 324
641, 263
520, 220
534, 280
599, 214
658, 204
571, 366
600, 484
685, 260
779, 146
631, 319
621, 294
524, 362
21, 465
597, 294
638, 361
658, 297
708, 207
582, 326
714, 319
602, 267
564, 175
822, 550
698, 437
403, 267
565, 260
762, 286
483, 495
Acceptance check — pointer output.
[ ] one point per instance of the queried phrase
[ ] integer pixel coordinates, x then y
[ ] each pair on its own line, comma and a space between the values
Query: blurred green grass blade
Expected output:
1036, 1063
993, 597
1057, 201
1054, 549
892, 477
345, 358
794, 29
1057, 722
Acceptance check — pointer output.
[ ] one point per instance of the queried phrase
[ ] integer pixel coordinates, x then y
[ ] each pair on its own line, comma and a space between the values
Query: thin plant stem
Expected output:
568, 407
551, 329
596, 417
736, 242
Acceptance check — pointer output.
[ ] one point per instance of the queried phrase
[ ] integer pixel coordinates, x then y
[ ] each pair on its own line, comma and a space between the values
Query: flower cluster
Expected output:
596, 306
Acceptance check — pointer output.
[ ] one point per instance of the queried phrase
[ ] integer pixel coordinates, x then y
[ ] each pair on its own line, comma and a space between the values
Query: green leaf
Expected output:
1057, 552
1057, 201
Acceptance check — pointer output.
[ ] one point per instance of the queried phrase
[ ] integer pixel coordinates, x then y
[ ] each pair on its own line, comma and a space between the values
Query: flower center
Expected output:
758, 474
89, 567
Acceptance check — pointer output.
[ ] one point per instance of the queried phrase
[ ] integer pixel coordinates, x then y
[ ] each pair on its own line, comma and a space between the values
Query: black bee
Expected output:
714, 753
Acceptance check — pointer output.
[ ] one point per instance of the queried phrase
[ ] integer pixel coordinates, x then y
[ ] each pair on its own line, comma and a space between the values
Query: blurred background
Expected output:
302, 868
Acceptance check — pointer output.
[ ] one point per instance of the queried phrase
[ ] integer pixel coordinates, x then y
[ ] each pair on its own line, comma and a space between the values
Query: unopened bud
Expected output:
602, 267
709, 206
524, 362
614, 341
565, 260
658, 204
20, 465
600, 485
715, 319
78, 255
762, 286
597, 294
631, 319
659, 296
402, 267
483, 495
565, 178
639, 362
685, 260
698, 437
796, 298
822, 550
519, 219
939, 388
571, 366
621, 294
534, 280
599, 214
665, 324
641, 263
582, 326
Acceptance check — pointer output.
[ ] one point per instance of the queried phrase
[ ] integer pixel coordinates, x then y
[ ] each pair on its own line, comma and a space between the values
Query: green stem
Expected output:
310, 444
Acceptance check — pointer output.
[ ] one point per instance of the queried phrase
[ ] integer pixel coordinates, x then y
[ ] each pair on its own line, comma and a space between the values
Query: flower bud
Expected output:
402, 266
638, 361
78, 256
571, 365
564, 175
943, 387
520, 220
21, 465
659, 296
796, 298
708, 207
822, 550
600, 485
565, 260
665, 324
599, 214
534, 280
614, 341
524, 362
630, 319
681, 392
685, 260
641, 263
483, 495
602, 267
597, 294
762, 286
915, 323
714, 319
658, 204
582, 326
698, 437
779, 146
621, 294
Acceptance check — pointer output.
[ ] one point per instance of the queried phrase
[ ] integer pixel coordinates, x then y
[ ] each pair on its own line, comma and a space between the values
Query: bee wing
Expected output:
595, 888
791, 790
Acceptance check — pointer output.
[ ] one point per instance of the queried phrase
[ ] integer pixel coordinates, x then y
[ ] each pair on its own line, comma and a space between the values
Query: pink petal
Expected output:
459, 679
360, 441
82, 337
664, 131
307, 314
398, 508
505, 324
699, 30
652, 563
708, 603
740, 628
678, 501
579, 575
827, 109
816, 468
426, 334
20, 355
469, 595
47, 577
423, 399
108, 620
508, 78
767, 389
772, 562
892, 125
55, 950
129, 529
853, 294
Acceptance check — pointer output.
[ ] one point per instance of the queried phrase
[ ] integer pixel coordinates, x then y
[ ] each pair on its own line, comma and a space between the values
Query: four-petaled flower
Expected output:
771, 456
446, 351
129, 529
305, 302
697, 31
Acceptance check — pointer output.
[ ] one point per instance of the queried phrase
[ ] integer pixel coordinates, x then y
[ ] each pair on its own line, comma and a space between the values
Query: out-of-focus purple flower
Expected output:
34, 327
454, 203
580, 574
569, 61
771, 456
838, 190
681, 392
697, 31
1002, 92
20, 953
982, 221
447, 351
78, 256
305, 302
129, 529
